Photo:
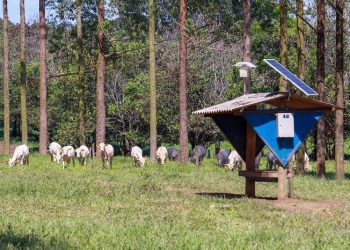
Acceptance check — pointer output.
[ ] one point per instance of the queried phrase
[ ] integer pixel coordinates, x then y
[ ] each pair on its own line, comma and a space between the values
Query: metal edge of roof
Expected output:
265, 97
276, 96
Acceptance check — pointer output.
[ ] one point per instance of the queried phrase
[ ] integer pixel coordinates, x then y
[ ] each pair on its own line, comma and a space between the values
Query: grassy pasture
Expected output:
168, 207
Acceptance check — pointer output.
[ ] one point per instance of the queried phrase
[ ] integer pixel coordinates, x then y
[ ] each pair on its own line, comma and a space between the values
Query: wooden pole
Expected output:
290, 181
281, 182
250, 160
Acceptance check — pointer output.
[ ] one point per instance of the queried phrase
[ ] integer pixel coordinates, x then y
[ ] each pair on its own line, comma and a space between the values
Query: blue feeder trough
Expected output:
280, 121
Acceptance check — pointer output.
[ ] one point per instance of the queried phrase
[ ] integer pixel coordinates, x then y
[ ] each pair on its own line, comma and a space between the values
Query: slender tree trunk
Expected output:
246, 42
339, 115
81, 86
6, 80
321, 16
101, 68
283, 42
183, 83
24, 123
152, 82
43, 134
301, 72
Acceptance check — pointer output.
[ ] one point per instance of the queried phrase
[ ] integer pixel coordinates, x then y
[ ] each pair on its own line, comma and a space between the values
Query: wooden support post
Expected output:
250, 160
281, 182
290, 181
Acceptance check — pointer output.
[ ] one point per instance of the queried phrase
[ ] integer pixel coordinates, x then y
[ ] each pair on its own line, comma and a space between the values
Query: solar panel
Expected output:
307, 90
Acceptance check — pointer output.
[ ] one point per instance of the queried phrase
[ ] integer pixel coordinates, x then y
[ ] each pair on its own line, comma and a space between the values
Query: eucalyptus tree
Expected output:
321, 42
23, 73
339, 114
81, 73
43, 132
152, 81
6, 79
301, 71
101, 70
283, 42
183, 83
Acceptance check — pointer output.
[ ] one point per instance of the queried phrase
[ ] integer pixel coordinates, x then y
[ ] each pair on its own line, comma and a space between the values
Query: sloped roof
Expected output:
277, 99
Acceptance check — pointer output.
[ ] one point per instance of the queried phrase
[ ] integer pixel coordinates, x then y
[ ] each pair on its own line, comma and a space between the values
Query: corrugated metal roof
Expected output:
240, 102
276, 99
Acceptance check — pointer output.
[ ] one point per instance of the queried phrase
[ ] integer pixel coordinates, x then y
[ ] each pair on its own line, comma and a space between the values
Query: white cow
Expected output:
55, 150
82, 154
21, 155
136, 154
68, 154
162, 154
107, 153
234, 160
307, 165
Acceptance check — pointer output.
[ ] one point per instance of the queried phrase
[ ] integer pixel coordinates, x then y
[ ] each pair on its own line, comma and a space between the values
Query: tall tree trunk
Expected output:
101, 68
339, 115
283, 42
301, 72
24, 123
43, 134
6, 80
183, 83
246, 42
81, 86
321, 142
152, 81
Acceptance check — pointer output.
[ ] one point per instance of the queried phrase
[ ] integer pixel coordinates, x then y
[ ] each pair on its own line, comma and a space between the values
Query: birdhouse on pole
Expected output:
244, 67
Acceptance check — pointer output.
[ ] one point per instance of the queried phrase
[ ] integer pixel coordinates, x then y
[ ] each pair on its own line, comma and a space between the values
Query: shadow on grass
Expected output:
10, 240
232, 196
328, 175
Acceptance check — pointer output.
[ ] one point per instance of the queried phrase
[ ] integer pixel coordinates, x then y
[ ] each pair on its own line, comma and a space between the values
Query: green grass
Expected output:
43, 206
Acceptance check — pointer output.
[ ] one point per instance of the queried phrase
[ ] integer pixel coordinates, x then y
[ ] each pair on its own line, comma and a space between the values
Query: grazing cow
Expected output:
257, 160
162, 153
235, 161
136, 154
82, 154
307, 165
68, 154
198, 154
21, 155
222, 157
272, 161
107, 153
173, 154
55, 150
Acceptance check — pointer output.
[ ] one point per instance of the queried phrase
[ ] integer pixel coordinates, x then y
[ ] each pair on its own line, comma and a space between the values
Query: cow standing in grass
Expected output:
21, 155
107, 153
136, 154
234, 161
198, 154
82, 154
222, 157
162, 154
173, 154
68, 154
55, 150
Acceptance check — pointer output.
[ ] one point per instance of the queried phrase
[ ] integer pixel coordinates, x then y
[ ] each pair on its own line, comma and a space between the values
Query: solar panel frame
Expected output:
302, 86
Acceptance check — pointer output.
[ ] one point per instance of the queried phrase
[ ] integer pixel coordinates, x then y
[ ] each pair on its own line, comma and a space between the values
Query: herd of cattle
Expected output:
67, 155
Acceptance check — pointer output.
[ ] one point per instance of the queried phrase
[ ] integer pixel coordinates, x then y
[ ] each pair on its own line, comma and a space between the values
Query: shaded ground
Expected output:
290, 204
300, 206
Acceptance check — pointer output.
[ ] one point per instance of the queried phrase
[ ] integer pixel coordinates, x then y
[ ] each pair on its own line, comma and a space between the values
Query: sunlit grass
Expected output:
44, 206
